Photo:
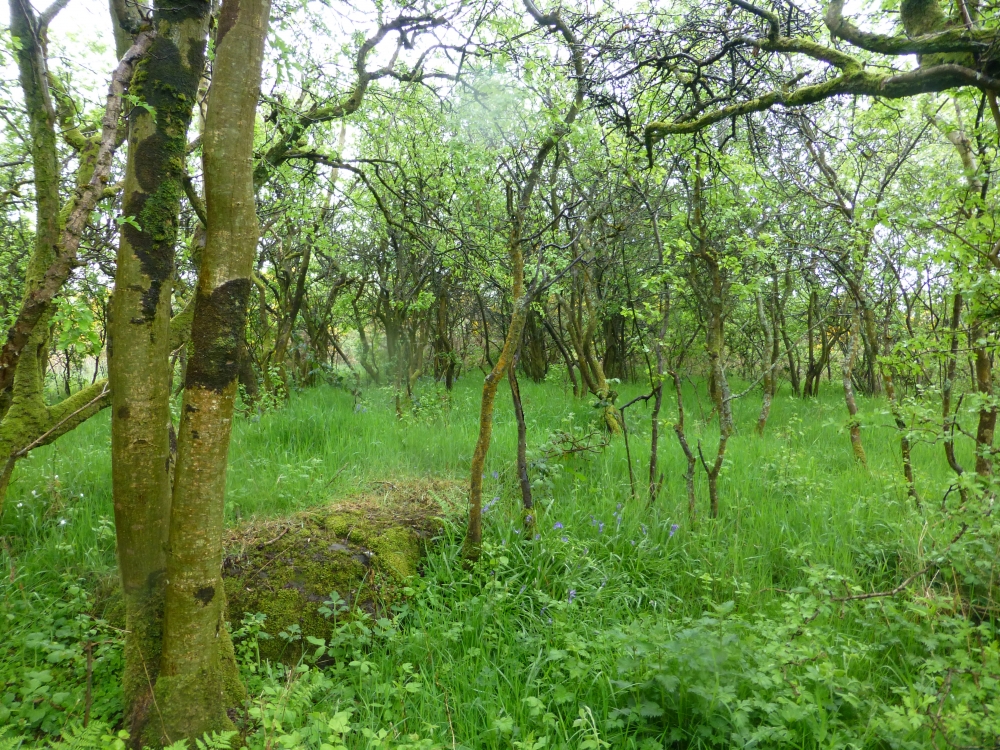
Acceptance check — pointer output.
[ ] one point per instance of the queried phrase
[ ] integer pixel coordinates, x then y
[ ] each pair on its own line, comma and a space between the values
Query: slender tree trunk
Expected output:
486, 329
534, 358
947, 389
519, 297
769, 364
139, 337
987, 412
26, 420
198, 677
725, 408
688, 453
565, 354
847, 371
522, 446
655, 479
904, 440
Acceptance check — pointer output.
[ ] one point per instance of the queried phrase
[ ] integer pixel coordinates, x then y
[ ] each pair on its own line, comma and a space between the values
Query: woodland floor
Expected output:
618, 625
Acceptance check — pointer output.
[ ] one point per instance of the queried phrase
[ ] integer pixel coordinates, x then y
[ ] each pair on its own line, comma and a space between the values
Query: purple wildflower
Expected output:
496, 474
565, 538
537, 537
673, 529
645, 531
572, 595
600, 527
557, 525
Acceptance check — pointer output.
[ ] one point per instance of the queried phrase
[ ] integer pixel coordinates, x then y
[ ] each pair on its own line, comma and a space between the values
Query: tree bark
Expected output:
198, 677
139, 342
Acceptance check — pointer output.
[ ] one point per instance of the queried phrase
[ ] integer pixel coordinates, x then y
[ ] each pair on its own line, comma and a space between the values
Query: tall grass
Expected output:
545, 638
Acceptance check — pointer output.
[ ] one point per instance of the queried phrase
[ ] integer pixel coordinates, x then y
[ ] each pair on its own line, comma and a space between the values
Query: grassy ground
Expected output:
617, 625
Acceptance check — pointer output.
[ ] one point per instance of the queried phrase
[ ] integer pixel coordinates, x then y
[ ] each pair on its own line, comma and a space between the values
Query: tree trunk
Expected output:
198, 677
139, 337
519, 298
904, 440
769, 361
522, 446
947, 389
987, 412
688, 454
847, 370
565, 354
614, 346
534, 358
26, 420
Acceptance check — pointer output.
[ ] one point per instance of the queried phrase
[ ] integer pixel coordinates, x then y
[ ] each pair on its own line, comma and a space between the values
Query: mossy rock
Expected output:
364, 547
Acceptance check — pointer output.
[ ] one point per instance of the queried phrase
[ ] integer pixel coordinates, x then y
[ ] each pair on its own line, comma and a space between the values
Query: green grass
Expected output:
610, 627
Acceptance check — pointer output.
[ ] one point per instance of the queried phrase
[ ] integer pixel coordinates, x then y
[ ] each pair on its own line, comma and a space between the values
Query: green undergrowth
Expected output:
611, 624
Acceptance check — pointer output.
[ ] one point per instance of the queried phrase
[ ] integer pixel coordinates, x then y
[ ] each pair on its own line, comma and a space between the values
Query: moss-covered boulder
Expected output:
363, 547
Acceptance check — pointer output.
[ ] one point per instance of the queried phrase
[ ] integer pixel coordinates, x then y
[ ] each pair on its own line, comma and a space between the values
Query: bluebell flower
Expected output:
537, 537
565, 538
496, 474
557, 525
673, 529
600, 527
572, 595
645, 531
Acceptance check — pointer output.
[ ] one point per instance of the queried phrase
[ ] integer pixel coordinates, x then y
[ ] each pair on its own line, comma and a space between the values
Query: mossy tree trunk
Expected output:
198, 680
26, 420
140, 337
